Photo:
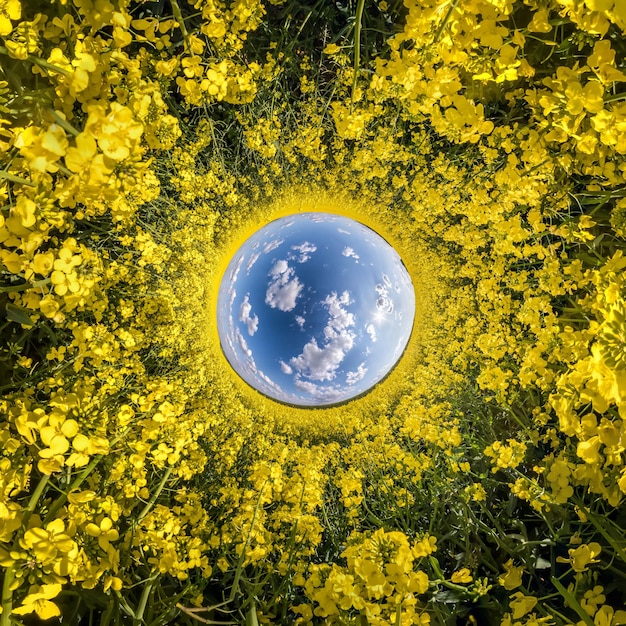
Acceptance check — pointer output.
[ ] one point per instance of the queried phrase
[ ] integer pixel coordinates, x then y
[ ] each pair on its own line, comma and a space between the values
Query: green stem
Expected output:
615, 96
445, 21
143, 601
7, 598
4, 175
181, 22
79, 480
64, 124
25, 286
155, 495
40, 62
7, 592
357, 46
572, 602
32, 503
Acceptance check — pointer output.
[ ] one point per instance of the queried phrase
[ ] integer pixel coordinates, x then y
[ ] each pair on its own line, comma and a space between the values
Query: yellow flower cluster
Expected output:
485, 139
379, 581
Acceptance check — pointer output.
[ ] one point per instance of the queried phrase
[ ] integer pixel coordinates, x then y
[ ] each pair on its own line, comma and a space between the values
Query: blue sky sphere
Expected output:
314, 309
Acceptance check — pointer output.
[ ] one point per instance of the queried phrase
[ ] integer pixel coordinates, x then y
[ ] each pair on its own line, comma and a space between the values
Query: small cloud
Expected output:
371, 331
349, 252
252, 322
251, 261
305, 249
264, 377
383, 303
300, 320
320, 392
285, 368
284, 288
242, 343
272, 245
234, 271
355, 377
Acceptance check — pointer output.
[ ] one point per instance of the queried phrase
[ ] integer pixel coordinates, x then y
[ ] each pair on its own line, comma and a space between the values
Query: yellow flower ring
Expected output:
332, 201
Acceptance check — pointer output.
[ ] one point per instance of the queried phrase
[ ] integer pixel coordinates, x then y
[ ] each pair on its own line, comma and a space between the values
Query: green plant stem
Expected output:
64, 124
32, 503
155, 495
181, 22
4, 175
7, 592
445, 20
143, 601
40, 62
25, 286
572, 602
79, 480
357, 46
7, 597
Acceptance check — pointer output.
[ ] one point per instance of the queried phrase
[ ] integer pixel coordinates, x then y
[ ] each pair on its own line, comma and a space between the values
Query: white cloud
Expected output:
355, 377
252, 322
272, 245
234, 271
321, 363
349, 252
251, 261
305, 249
285, 368
242, 343
284, 288
383, 303
319, 392
371, 331
263, 376
305, 386
300, 320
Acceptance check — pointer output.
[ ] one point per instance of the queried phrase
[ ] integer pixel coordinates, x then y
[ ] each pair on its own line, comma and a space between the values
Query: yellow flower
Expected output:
462, 576
38, 601
42, 148
25, 210
426, 546
540, 22
512, 577
43, 263
48, 545
9, 10
583, 556
521, 604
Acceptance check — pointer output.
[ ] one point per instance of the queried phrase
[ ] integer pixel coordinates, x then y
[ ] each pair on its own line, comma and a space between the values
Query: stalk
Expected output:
7, 592
357, 45
155, 495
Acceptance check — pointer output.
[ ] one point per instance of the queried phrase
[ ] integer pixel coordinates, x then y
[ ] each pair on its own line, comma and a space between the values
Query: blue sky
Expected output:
314, 309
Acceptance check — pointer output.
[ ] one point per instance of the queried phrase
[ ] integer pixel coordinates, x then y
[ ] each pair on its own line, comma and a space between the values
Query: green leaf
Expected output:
18, 314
